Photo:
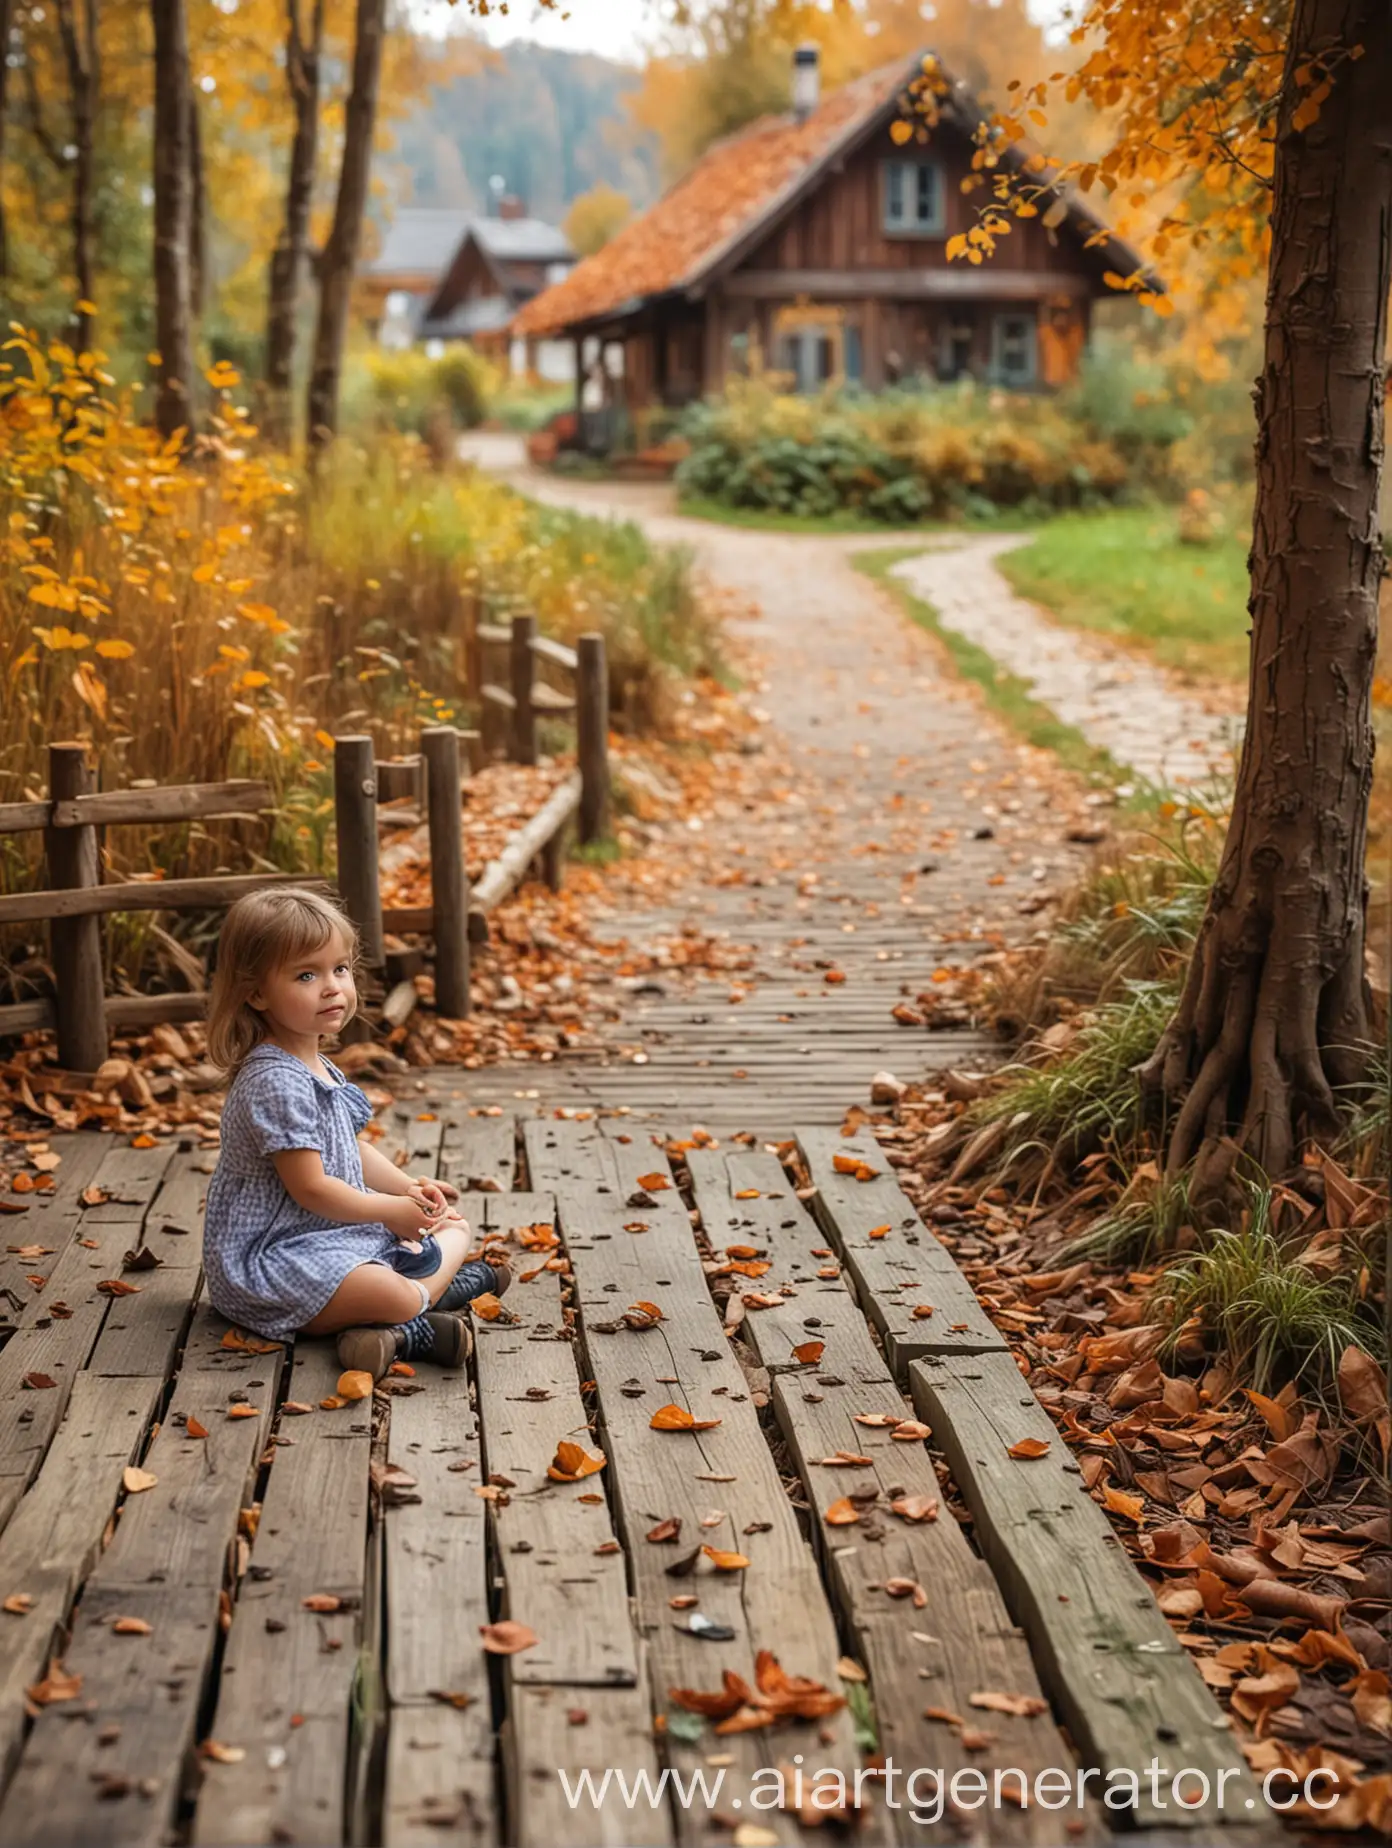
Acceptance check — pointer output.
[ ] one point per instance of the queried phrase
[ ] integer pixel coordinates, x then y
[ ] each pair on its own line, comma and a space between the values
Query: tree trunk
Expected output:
198, 212
341, 251
1275, 1017
79, 41
287, 259
6, 22
174, 405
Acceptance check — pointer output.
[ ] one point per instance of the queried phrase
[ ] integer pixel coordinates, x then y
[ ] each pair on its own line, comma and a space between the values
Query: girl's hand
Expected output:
432, 1196
404, 1217
446, 1189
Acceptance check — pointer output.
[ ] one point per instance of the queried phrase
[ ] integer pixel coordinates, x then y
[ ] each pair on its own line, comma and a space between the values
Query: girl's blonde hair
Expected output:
262, 933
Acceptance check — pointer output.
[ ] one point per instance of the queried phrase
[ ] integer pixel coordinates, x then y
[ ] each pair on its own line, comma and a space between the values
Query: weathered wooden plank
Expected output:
549, 1536
142, 1334
165, 1565
287, 1674
411, 1136
171, 802
551, 1738
439, 1773
896, 1270
1123, 1683
142, 895
963, 1642
57, 1337
475, 1149
721, 1484
49, 1546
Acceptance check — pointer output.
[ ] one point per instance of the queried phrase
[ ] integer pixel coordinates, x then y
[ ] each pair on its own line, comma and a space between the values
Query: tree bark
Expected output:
80, 55
173, 329
198, 212
287, 260
341, 251
1275, 1015
6, 23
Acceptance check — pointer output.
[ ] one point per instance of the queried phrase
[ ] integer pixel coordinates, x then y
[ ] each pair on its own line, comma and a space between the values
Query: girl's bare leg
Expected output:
376, 1293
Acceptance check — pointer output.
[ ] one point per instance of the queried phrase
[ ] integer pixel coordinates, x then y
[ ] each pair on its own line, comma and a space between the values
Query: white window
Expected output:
915, 202
1013, 344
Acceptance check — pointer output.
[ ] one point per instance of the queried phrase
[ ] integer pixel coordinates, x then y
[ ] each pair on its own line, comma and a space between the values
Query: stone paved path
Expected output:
1118, 701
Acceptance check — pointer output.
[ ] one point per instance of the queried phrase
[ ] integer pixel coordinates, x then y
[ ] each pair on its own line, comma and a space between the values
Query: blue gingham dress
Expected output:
270, 1265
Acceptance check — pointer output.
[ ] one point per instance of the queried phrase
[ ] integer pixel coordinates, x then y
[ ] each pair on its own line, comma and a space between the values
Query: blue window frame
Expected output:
915, 200
1014, 340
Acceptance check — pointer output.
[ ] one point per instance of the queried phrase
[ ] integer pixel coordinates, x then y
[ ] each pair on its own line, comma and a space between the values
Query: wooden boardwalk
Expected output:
239, 1610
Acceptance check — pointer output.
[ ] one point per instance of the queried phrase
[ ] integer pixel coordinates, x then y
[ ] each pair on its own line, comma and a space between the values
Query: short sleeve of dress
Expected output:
280, 1111
359, 1107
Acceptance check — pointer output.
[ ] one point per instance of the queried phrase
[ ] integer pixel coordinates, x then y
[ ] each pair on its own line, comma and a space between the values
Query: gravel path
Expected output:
1117, 700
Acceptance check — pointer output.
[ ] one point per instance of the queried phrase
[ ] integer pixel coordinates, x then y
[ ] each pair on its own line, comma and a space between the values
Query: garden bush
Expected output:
407, 391
909, 455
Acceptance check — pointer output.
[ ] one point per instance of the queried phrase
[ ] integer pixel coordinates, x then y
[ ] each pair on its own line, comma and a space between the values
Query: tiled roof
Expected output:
727, 192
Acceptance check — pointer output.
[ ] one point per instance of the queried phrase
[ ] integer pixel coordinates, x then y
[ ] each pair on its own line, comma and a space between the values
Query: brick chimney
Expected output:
511, 207
807, 81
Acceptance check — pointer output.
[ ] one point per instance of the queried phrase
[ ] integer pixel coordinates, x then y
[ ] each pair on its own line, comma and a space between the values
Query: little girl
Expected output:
308, 1230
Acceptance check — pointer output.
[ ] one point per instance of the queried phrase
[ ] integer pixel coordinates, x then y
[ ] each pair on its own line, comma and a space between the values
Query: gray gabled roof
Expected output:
522, 240
424, 240
420, 240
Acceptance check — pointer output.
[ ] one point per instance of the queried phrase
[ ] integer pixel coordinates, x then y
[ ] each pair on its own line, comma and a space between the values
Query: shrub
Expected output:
901, 456
403, 389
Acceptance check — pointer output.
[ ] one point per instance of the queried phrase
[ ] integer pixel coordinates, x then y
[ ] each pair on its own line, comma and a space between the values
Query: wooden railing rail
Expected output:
76, 898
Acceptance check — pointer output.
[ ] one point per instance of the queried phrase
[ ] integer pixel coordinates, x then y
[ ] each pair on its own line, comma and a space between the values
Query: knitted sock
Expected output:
416, 1339
469, 1281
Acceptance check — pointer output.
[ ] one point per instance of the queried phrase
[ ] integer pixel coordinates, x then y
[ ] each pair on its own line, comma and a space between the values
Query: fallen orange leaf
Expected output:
507, 1637
843, 1513
1029, 1447
725, 1562
677, 1418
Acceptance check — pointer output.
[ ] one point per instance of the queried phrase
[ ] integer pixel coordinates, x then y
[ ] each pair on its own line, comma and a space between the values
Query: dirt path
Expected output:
890, 831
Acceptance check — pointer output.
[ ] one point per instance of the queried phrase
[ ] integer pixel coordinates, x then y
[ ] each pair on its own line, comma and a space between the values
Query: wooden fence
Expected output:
74, 815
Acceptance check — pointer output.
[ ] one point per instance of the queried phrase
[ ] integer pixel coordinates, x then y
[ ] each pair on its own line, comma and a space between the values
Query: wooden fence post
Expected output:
355, 811
524, 744
78, 982
449, 873
473, 647
592, 735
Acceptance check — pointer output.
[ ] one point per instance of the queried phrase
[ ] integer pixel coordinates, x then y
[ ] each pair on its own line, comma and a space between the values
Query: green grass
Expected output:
701, 507
1006, 691
1276, 1318
1126, 573
1089, 1098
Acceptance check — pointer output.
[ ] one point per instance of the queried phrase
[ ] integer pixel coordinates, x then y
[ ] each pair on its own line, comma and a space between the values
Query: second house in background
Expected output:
444, 275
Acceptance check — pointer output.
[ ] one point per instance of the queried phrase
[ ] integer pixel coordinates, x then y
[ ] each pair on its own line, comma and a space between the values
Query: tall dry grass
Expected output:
196, 616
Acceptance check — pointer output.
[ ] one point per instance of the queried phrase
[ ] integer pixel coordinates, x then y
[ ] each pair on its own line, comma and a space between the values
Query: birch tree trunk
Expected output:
1275, 1016
341, 251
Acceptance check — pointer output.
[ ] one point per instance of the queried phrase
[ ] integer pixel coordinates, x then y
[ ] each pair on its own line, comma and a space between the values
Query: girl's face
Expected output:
312, 996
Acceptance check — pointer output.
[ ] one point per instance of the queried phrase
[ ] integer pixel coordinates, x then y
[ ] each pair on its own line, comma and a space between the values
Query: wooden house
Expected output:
816, 243
498, 265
